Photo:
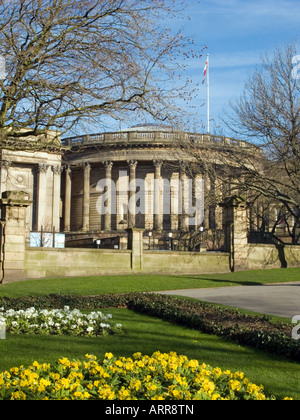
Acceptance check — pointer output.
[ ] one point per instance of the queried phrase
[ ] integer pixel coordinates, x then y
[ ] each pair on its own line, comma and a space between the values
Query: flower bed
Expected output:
251, 330
58, 322
161, 376
255, 331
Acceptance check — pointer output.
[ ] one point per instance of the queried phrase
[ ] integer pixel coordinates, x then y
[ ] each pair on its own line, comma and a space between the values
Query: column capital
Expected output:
86, 166
67, 168
182, 171
42, 167
108, 164
57, 169
132, 163
158, 163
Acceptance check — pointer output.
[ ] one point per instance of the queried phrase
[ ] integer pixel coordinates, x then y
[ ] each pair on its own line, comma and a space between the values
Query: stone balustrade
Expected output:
165, 137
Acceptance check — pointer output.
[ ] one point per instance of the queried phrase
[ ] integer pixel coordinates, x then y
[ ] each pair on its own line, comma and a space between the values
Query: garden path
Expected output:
282, 299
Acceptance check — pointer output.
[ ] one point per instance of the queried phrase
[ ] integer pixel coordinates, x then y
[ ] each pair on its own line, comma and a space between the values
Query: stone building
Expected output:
38, 174
142, 188
138, 178
97, 186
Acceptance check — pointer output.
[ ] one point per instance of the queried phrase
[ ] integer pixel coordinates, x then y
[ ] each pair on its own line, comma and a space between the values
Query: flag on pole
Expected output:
205, 71
206, 76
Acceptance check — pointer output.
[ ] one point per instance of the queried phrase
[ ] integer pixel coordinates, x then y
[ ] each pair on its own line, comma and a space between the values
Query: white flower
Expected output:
57, 318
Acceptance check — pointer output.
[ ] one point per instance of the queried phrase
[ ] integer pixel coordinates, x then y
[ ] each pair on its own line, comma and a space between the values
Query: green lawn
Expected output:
145, 282
279, 376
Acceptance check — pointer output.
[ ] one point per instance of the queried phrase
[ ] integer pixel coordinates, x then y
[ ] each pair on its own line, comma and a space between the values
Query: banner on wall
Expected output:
45, 240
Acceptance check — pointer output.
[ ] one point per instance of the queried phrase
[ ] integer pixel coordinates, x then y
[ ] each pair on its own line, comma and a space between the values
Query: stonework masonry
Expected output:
39, 175
133, 186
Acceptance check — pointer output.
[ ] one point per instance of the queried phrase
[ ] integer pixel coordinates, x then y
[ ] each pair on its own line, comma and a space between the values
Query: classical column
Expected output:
68, 192
158, 220
182, 185
41, 195
132, 191
173, 207
56, 197
197, 214
206, 201
107, 217
86, 198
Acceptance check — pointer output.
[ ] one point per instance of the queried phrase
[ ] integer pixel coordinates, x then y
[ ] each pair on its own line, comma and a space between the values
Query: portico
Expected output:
128, 194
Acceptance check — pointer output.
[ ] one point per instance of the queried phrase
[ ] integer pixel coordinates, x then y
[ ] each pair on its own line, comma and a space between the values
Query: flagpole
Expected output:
208, 98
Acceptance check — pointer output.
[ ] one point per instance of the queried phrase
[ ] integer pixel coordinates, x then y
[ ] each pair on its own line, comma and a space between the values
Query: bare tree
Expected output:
76, 62
263, 165
268, 115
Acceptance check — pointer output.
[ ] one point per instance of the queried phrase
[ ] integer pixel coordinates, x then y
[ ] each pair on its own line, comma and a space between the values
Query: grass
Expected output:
279, 376
145, 282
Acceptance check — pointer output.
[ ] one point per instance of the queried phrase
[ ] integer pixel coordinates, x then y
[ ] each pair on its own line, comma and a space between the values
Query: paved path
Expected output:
281, 299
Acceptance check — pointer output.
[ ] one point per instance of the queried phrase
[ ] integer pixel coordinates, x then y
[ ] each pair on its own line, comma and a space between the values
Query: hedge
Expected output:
255, 331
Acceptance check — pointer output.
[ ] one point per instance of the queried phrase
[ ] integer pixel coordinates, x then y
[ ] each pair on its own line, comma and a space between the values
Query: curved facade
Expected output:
139, 178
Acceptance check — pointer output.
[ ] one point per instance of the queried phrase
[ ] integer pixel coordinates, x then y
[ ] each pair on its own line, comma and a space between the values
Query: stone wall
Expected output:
261, 256
71, 262
186, 262
19, 262
49, 263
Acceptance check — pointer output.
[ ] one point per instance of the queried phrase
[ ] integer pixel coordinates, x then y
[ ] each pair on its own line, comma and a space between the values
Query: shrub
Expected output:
58, 301
254, 331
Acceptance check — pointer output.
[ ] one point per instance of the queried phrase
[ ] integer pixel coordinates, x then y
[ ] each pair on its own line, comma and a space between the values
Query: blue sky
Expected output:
236, 33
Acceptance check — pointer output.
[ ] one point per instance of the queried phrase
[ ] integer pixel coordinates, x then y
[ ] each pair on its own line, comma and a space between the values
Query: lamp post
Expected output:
201, 229
170, 235
150, 235
98, 242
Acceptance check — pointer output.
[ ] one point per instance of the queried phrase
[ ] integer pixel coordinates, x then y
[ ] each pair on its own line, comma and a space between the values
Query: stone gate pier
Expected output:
236, 234
13, 235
